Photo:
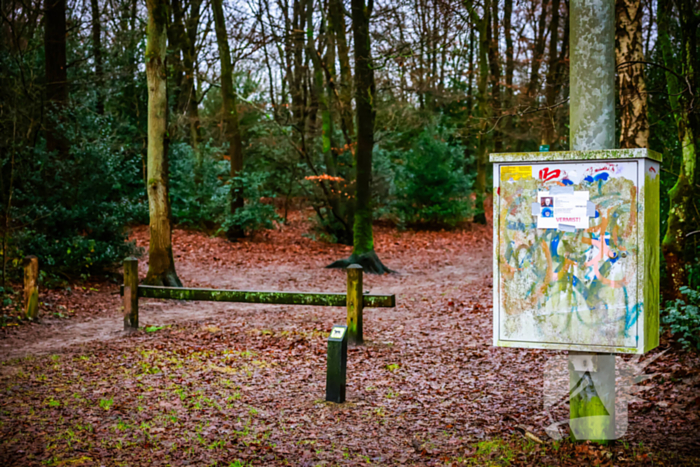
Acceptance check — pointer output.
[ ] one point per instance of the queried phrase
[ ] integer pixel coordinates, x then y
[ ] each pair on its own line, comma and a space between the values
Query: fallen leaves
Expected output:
244, 385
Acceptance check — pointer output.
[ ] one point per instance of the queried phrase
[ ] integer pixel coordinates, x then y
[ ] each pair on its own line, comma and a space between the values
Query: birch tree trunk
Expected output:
161, 266
634, 125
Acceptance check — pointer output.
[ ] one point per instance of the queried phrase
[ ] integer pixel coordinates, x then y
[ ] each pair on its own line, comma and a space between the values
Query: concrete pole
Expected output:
592, 120
592, 74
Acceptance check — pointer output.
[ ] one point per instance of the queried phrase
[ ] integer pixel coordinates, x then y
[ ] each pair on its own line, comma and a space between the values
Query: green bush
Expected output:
683, 316
254, 215
201, 192
71, 210
198, 193
430, 187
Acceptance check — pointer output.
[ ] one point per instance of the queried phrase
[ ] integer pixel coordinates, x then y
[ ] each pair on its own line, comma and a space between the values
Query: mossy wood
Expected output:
355, 303
130, 293
273, 298
31, 287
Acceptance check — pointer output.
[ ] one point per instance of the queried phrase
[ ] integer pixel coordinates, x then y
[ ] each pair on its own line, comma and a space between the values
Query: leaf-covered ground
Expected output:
230, 384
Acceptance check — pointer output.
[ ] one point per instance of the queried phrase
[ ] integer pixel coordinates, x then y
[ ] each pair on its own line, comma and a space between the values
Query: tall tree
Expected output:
365, 113
483, 112
336, 15
188, 98
231, 125
323, 85
97, 53
510, 64
629, 52
550, 92
161, 265
495, 71
56, 73
538, 50
681, 91
365, 93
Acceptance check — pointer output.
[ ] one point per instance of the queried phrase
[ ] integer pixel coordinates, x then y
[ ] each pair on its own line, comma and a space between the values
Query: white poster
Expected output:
563, 211
571, 209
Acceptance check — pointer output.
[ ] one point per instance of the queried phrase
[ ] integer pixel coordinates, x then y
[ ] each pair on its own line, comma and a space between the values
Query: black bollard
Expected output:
337, 364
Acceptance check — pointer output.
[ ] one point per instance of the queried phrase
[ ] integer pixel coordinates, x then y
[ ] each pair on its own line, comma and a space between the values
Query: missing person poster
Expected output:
563, 209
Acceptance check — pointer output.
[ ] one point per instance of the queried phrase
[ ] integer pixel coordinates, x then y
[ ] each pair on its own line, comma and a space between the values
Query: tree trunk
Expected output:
97, 54
483, 108
681, 195
188, 97
495, 72
337, 27
634, 125
365, 91
510, 69
364, 100
56, 76
551, 85
231, 130
538, 52
161, 265
176, 37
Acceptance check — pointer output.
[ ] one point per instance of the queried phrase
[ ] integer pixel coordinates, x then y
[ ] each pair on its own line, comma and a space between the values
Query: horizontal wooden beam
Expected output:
274, 298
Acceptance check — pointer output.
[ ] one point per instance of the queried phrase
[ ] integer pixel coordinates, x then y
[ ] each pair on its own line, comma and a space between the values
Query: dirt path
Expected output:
228, 382
282, 260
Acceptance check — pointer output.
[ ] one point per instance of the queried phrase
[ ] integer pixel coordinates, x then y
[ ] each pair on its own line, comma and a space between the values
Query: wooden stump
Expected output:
131, 298
31, 287
355, 304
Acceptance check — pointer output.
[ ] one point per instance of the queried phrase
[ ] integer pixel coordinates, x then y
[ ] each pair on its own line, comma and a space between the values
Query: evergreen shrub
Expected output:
683, 315
71, 211
430, 186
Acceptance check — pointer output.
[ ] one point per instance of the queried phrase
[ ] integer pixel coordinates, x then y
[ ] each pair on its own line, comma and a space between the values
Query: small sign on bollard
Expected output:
337, 364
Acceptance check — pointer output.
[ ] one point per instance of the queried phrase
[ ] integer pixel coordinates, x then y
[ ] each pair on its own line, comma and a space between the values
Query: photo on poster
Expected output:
547, 206
546, 218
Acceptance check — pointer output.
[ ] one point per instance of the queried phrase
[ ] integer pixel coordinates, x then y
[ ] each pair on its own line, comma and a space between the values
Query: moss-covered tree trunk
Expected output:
681, 99
231, 128
629, 52
161, 266
365, 91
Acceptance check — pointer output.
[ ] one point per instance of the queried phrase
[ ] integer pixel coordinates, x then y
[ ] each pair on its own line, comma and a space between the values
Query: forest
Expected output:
269, 145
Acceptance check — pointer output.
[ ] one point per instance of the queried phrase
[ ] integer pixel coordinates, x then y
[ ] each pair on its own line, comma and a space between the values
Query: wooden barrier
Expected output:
354, 300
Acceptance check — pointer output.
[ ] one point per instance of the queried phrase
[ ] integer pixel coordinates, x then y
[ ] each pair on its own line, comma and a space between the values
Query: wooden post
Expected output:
31, 287
355, 304
131, 299
337, 364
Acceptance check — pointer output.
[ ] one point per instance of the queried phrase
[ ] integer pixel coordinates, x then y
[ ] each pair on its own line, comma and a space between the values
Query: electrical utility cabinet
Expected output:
576, 250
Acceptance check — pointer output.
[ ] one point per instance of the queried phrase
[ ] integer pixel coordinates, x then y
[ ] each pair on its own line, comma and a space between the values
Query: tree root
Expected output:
370, 263
168, 279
